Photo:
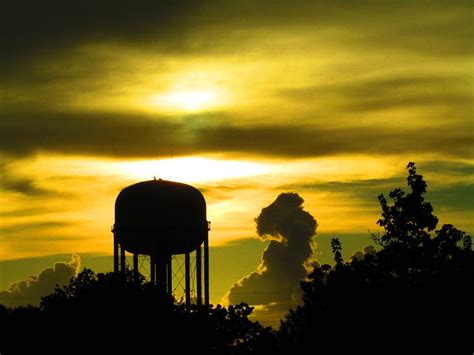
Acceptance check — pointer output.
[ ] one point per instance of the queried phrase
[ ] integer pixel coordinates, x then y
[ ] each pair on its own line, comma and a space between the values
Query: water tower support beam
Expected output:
122, 259
152, 270
161, 272
206, 271
199, 275
187, 279
169, 276
135, 267
116, 254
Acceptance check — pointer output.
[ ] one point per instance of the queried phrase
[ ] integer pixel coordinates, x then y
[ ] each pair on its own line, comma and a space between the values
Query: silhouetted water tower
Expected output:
160, 219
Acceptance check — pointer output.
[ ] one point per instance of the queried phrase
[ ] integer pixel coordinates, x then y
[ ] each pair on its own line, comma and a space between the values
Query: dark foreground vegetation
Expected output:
415, 290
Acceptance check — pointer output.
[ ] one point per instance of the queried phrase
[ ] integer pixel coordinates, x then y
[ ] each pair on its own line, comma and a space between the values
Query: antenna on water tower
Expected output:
170, 177
157, 168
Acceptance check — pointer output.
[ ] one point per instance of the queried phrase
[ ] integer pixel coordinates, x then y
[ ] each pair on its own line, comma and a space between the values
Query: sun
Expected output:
193, 100
189, 101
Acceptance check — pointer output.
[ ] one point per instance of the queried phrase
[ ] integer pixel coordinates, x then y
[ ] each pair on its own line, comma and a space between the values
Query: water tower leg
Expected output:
199, 275
135, 267
169, 278
122, 259
187, 279
116, 254
161, 272
206, 271
152, 270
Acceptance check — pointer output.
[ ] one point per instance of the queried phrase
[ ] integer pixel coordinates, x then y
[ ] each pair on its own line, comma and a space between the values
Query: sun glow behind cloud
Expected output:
71, 198
187, 91
84, 191
192, 170
188, 101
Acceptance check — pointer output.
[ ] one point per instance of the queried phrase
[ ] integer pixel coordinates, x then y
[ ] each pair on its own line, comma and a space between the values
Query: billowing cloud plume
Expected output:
31, 290
275, 285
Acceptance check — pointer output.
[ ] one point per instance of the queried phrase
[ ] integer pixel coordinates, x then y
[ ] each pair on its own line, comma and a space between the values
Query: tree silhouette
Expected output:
139, 315
408, 221
336, 247
410, 287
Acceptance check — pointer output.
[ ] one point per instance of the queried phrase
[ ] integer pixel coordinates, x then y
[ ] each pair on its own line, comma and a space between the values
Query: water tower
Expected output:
161, 219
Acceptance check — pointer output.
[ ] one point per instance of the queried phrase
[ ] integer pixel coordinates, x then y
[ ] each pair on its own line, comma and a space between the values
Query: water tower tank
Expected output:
160, 219
160, 216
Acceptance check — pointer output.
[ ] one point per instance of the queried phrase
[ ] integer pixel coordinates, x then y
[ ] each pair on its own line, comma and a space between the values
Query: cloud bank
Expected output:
29, 27
116, 135
31, 290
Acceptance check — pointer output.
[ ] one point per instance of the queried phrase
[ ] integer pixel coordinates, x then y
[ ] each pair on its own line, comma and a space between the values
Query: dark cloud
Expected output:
364, 191
456, 197
290, 230
31, 227
21, 212
20, 184
224, 190
30, 28
33, 28
102, 134
138, 136
42, 60
453, 196
398, 91
446, 195
445, 36
26, 186
451, 168
31, 290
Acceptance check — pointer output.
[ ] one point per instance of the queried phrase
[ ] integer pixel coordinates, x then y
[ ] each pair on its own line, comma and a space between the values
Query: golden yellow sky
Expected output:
243, 100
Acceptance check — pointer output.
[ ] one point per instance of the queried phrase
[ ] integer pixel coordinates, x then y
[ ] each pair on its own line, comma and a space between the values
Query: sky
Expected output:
244, 100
